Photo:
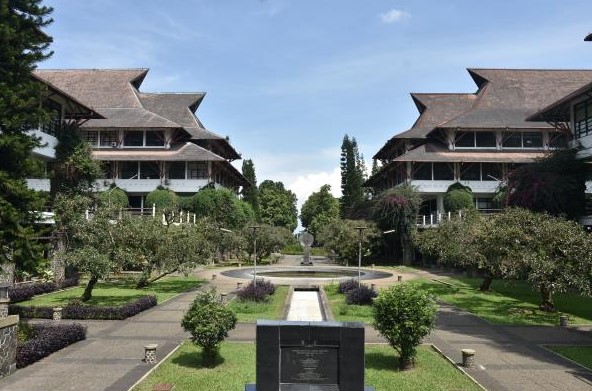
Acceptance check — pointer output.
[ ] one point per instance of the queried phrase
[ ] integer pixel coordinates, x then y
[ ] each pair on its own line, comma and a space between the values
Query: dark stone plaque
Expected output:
309, 364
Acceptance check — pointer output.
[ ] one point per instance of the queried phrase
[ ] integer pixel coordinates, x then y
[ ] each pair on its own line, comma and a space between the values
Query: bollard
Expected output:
373, 287
57, 313
563, 320
150, 353
468, 358
239, 285
399, 278
240, 265
372, 266
213, 276
223, 297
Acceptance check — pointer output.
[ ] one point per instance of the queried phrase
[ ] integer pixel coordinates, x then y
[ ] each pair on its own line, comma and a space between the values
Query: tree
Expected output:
352, 176
277, 205
251, 193
397, 209
222, 207
404, 315
22, 46
458, 197
269, 239
114, 197
209, 321
319, 208
342, 238
555, 184
166, 202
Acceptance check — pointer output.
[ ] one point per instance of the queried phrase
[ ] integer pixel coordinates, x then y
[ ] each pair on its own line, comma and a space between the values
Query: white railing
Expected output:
435, 218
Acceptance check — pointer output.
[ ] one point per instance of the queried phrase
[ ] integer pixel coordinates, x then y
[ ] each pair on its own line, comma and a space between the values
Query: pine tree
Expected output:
352, 176
375, 167
251, 194
22, 46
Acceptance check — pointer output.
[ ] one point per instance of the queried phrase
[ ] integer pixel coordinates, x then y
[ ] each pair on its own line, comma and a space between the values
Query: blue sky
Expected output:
286, 79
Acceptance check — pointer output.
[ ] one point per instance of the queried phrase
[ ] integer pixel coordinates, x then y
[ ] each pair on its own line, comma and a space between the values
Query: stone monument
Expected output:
306, 239
309, 356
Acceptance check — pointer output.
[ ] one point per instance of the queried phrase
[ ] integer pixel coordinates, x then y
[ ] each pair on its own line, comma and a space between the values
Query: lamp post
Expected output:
255, 228
360, 229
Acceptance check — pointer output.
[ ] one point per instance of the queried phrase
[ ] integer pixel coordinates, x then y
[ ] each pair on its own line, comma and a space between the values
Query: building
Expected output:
146, 140
476, 138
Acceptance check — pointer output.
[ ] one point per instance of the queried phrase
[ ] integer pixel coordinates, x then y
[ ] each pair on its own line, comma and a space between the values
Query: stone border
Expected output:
153, 368
435, 348
566, 358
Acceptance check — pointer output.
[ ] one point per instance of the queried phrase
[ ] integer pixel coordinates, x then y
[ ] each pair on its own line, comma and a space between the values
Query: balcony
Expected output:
147, 185
48, 143
442, 186
38, 184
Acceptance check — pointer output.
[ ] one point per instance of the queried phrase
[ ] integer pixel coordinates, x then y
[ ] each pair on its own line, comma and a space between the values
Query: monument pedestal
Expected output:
306, 387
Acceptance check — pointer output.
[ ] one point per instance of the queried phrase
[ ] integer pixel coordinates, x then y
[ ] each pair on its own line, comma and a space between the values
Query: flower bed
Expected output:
46, 339
80, 311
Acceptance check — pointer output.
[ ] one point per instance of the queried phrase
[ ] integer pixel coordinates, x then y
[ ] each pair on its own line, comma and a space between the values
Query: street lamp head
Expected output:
588, 38
390, 231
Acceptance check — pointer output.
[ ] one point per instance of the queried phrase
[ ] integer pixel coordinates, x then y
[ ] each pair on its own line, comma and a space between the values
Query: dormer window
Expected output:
523, 140
143, 138
475, 140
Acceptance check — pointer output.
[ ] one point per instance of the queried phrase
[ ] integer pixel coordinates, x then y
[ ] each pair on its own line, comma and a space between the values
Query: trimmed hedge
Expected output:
347, 285
361, 296
47, 339
263, 289
77, 311
26, 291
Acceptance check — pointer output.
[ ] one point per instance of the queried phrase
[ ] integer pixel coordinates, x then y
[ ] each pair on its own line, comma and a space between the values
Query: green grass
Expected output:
248, 311
580, 354
345, 312
237, 366
119, 292
509, 302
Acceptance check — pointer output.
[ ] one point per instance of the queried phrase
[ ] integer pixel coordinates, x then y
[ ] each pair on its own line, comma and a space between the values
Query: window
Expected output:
583, 119
55, 112
422, 171
484, 203
149, 170
197, 170
475, 140
108, 170
133, 139
523, 140
91, 137
108, 138
470, 172
443, 172
177, 170
491, 172
155, 138
129, 170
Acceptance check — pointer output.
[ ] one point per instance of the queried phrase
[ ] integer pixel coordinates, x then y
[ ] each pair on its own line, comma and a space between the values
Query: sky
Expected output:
287, 79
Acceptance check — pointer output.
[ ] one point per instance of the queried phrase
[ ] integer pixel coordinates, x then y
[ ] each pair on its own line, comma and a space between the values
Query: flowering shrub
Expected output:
258, 292
26, 291
347, 285
361, 296
46, 339
76, 311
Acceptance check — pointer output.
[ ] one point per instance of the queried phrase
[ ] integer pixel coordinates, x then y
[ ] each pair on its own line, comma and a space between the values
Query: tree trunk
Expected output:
547, 297
486, 284
87, 294
406, 360
209, 356
144, 278
408, 251
161, 275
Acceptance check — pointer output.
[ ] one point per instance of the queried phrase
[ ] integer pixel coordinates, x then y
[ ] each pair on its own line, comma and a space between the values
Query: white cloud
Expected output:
394, 16
304, 185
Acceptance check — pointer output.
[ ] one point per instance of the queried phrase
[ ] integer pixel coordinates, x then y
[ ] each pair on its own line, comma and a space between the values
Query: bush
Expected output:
26, 291
163, 199
404, 315
74, 310
47, 339
208, 321
114, 197
347, 285
260, 292
458, 197
361, 296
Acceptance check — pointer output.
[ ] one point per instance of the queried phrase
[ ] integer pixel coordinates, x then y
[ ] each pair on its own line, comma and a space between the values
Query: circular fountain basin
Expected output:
299, 275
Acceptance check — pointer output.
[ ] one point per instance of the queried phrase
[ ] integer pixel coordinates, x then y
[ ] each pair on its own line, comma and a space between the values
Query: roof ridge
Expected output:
533, 69
91, 69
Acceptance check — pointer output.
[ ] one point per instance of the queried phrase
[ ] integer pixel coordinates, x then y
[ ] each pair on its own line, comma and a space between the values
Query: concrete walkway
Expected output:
508, 358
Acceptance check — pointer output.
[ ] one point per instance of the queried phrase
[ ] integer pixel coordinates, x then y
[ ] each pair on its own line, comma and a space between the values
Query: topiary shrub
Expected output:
209, 322
259, 292
347, 285
404, 315
114, 197
164, 199
45, 339
458, 197
361, 295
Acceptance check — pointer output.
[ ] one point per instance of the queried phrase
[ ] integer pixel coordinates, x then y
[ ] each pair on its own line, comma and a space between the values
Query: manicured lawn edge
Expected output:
272, 304
156, 365
437, 350
565, 355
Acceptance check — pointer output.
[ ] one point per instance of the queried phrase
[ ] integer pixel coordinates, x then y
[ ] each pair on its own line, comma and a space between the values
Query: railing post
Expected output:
424, 220
86, 214
431, 219
153, 210
448, 215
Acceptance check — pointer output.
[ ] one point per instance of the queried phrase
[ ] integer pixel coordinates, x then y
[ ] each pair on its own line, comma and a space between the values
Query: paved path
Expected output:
508, 358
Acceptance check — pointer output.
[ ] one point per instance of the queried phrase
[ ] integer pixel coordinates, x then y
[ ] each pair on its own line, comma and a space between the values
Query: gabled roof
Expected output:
506, 97
183, 152
434, 109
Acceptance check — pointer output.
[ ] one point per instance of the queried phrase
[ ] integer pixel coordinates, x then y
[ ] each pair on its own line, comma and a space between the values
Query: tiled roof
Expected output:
129, 118
559, 111
184, 152
506, 97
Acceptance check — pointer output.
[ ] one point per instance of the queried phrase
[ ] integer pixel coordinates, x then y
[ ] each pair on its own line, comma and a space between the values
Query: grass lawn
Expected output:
580, 354
119, 292
509, 302
237, 367
345, 312
247, 311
